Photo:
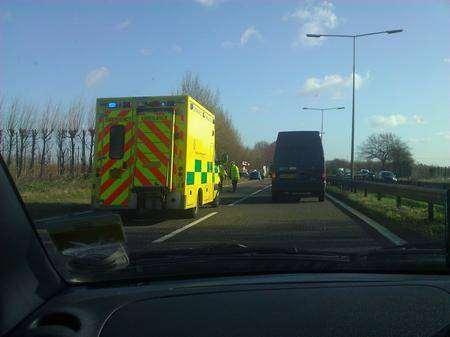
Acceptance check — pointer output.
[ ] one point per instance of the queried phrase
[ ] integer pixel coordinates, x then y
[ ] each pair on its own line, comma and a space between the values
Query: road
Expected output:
249, 217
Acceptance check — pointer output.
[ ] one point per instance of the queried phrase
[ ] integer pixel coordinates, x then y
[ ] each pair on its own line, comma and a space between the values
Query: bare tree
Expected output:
91, 128
24, 134
46, 127
74, 123
2, 103
385, 147
191, 85
87, 120
83, 140
11, 126
34, 136
61, 135
377, 146
228, 139
17, 153
33, 141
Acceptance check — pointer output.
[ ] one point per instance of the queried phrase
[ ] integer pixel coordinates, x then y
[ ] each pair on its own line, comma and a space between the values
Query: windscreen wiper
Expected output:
241, 250
435, 245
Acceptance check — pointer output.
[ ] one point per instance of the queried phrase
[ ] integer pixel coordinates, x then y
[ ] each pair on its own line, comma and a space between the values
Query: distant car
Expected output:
344, 173
365, 174
243, 174
255, 175
387, 177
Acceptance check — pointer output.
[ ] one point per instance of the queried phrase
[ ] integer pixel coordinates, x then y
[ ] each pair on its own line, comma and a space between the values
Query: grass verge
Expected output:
410, 221
46, 198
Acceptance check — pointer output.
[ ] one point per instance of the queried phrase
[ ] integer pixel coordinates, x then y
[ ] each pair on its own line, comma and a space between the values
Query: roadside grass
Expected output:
410, 221
440, 182
435, 180
45, 198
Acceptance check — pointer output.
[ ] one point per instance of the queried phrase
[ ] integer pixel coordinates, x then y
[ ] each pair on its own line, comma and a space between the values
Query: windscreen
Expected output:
151, 139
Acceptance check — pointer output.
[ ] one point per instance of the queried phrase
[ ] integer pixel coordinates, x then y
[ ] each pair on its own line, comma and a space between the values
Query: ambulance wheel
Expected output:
216, 201
193, 212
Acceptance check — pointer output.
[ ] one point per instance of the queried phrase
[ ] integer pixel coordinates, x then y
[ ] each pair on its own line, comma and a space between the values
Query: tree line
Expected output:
58, 140
55, 139
386, 151
50, 140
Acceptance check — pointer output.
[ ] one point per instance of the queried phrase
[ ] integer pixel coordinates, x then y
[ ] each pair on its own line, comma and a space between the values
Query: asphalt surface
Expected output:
249, 217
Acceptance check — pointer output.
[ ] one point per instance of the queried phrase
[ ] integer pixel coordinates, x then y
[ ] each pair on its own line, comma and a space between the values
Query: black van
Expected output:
298, 165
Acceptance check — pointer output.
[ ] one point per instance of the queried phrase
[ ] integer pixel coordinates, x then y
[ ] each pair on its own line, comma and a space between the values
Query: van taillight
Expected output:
274, 175
323, 177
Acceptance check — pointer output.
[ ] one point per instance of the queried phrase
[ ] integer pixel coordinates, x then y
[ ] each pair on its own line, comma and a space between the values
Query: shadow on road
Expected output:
39, 210
151, 217
267, 199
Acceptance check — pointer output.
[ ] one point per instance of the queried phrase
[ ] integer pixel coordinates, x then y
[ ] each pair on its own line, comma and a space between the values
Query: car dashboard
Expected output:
270, 305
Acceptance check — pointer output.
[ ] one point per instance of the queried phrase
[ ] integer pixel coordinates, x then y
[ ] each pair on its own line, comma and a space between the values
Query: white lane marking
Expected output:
179, 230
396, 240
63, 216
249, 196
240, 183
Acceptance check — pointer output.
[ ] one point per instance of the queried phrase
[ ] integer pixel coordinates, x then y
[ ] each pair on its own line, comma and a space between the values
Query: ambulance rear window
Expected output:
116, 141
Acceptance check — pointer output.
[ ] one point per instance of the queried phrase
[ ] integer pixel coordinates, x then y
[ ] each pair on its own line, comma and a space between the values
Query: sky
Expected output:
255, 53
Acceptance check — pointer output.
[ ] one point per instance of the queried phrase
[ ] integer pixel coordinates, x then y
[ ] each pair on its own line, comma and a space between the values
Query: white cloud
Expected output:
445, 135
97, 75
248, 34
313, 19
123, 24
447, 60
255, 108
227, 44
6, 16
383, 122
418, 119
207, 3
177, 49
331, 84
145, 51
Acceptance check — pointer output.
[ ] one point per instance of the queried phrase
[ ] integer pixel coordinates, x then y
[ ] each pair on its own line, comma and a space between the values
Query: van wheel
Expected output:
322, 197
275, 196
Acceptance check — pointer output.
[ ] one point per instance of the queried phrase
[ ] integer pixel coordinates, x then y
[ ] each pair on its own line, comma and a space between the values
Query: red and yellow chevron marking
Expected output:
154, 147
114, 191
117, 113
152, 153
146, 172
158, 132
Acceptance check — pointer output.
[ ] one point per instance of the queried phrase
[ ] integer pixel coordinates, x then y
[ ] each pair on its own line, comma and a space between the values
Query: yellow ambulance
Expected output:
154, 153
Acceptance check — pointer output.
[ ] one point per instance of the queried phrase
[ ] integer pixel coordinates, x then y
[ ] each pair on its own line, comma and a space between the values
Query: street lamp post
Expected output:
322, 110
352, 162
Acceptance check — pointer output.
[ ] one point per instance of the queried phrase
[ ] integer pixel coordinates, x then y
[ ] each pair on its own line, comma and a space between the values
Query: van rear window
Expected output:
116, 141
297, 155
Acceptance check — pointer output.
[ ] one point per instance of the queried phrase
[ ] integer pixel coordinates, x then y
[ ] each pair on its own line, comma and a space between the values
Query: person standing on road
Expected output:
234, 174
222, 176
